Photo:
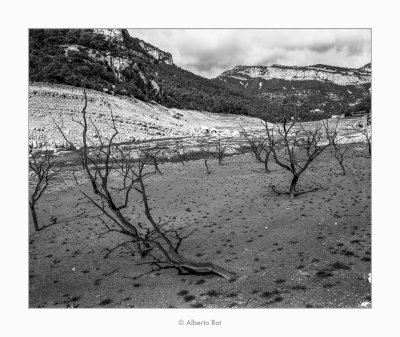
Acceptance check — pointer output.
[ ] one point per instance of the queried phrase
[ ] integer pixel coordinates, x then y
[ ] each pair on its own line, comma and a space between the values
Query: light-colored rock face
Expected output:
118, 64
318, 73
114, 34
155, 86
157, 53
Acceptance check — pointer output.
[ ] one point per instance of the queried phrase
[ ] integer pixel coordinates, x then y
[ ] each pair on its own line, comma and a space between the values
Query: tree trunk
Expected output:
266, 163
343, 169
34, 217
171, 254
205, 163
178, 261
123, 221
293, 186
202, 267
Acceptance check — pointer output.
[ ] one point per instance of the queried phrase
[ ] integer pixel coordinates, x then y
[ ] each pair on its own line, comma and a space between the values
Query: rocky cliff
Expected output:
319, 72
118, 36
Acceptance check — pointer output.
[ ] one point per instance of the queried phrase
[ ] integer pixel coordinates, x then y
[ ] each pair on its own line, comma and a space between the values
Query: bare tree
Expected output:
43, 166
181, 153
364, 127
259, 146
219, 148
334, 138
114, 170
204, 149
295, 146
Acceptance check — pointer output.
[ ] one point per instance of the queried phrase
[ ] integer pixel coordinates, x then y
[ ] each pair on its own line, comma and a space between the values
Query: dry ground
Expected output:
314, 251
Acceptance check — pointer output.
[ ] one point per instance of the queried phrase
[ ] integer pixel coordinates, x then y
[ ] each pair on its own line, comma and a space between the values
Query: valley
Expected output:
153, 187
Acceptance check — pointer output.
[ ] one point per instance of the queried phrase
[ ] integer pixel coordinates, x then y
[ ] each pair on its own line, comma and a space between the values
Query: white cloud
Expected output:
208, 52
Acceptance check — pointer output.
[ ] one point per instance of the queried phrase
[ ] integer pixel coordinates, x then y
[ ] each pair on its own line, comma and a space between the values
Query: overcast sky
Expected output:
209, 52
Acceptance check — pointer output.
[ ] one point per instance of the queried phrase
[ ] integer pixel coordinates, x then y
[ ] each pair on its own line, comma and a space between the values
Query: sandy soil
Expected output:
314, 251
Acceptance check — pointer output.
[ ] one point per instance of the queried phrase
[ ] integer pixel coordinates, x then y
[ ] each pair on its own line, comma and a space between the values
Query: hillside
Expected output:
320, 86
108, 60
136, 120
187, 90
112, 61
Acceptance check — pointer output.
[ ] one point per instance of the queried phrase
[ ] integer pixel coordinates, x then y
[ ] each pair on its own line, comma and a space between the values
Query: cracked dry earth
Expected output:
312, 252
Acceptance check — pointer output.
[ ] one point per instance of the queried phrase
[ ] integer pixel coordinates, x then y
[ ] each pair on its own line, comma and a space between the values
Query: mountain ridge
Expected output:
114, 62
318, 72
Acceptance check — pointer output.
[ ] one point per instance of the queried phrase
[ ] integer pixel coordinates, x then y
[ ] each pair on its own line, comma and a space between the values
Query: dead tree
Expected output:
181, 153
334, 138
364, 127
114, 170
260, 148
219, 149
43, 166
152, 154
204, 149
294, 146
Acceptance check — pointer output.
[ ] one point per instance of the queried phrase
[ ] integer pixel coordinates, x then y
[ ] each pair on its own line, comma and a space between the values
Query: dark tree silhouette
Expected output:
115, 171
259, 146
295, 145
219, 148
43, 166
204, 149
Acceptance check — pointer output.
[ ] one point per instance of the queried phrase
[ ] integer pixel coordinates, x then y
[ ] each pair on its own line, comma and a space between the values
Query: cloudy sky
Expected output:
209, 52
